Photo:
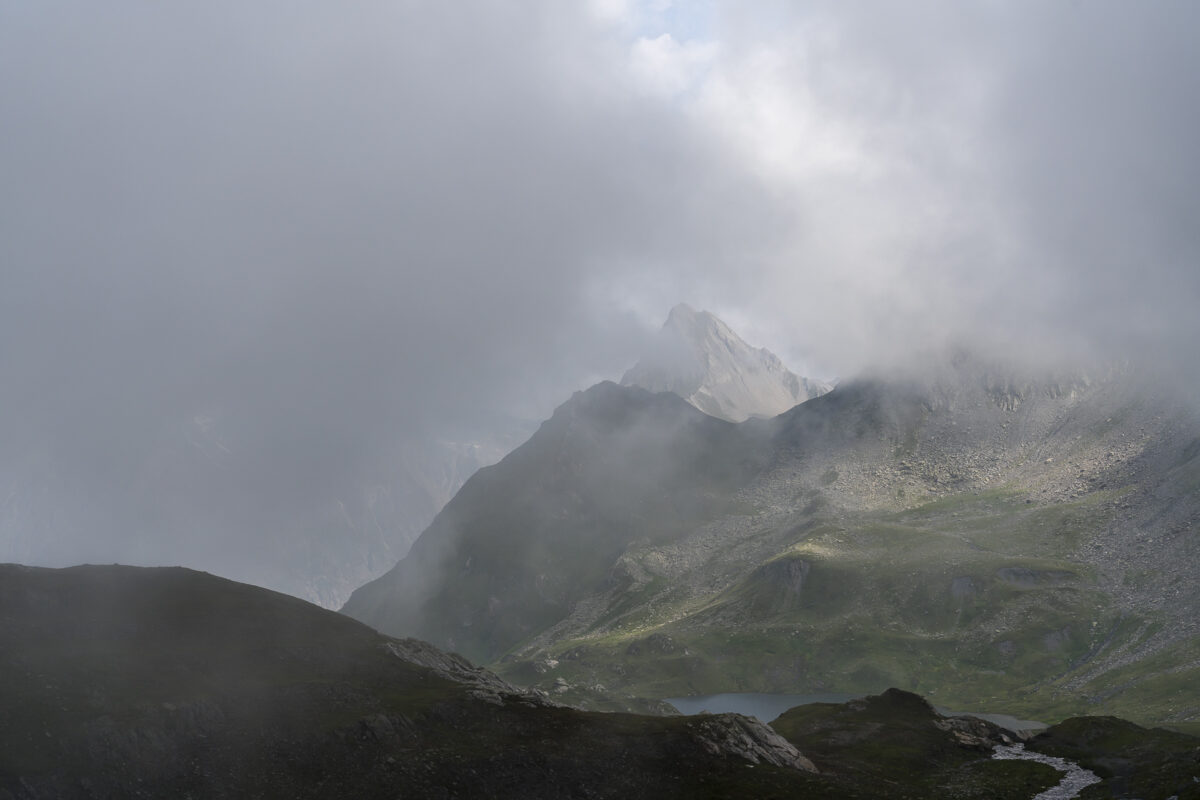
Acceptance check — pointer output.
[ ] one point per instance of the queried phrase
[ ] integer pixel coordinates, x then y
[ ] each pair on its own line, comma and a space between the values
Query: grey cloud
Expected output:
301, 197
336, 227
1033, 163
332, 229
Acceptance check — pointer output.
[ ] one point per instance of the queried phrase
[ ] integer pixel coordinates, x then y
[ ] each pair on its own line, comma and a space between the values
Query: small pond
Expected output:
767, 707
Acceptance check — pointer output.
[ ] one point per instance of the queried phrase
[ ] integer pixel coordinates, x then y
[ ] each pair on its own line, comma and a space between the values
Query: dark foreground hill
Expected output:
895, 745
127, 682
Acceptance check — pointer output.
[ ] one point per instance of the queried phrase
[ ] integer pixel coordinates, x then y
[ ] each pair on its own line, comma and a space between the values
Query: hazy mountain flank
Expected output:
699, 358
999, 538
203, 491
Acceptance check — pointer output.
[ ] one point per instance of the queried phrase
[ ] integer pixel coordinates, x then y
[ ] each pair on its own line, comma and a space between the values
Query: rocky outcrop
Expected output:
485, 684
745, 737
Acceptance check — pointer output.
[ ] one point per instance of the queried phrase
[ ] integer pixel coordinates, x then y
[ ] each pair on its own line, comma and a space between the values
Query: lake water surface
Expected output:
767, 707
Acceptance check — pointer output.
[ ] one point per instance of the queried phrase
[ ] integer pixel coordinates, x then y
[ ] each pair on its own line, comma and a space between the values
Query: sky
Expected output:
331, 224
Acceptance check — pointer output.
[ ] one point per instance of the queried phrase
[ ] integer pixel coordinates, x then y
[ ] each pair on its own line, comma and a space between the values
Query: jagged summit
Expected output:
701, 359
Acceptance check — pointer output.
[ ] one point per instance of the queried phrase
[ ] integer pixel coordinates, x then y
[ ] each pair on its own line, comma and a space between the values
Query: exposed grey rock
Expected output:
487, 685
699, 358
746, 737
972, 732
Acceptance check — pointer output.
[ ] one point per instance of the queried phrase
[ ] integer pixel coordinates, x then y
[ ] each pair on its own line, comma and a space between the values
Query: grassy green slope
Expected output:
970, 599
1018, 545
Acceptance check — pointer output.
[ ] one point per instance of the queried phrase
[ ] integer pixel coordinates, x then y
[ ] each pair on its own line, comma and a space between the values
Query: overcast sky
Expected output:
329, 220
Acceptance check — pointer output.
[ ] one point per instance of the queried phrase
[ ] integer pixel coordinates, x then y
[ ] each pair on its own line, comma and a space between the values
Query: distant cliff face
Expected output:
699, 358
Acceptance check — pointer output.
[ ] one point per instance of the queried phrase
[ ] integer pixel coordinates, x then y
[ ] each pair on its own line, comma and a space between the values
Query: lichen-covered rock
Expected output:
745, 737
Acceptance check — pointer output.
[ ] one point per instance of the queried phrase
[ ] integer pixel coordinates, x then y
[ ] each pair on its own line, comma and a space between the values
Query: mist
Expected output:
321, 237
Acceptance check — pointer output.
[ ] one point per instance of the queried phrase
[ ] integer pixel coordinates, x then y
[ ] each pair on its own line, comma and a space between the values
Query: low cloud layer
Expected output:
338, 225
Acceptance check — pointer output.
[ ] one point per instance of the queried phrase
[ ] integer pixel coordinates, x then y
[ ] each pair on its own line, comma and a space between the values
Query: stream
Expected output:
767, 707
1073, 781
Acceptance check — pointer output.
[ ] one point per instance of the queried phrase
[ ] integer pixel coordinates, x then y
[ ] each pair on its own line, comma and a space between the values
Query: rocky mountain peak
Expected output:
684, 318
701, 359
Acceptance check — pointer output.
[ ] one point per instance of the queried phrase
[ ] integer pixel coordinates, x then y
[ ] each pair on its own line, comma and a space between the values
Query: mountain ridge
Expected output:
607, 453
987, 531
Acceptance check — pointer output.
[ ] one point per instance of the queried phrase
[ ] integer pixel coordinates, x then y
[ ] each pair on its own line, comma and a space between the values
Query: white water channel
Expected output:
1074, 780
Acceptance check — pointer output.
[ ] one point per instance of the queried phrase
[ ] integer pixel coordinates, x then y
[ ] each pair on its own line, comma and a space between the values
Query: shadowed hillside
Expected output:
130, 682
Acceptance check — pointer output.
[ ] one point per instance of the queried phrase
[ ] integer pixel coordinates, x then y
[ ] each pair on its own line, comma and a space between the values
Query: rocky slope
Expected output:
1003, 539
699, 358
